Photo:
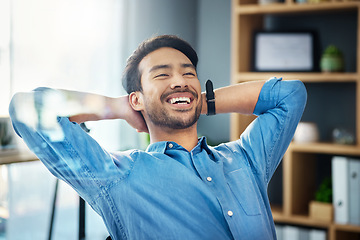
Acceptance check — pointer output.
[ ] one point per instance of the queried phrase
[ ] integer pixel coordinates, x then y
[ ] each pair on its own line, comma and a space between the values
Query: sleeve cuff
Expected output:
268, 96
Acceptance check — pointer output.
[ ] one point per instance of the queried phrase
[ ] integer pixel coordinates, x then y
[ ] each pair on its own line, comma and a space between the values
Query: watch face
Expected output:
209, 90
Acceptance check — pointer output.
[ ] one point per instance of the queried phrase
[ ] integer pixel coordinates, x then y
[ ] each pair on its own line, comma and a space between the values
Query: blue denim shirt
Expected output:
167, 192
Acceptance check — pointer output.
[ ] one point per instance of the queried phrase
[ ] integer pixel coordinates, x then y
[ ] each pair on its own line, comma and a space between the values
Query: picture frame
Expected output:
283, 52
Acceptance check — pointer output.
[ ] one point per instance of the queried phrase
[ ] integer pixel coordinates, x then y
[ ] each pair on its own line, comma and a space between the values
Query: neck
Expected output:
187, 138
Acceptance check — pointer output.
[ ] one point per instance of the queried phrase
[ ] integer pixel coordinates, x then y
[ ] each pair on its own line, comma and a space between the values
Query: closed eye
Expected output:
161, 75
190, 73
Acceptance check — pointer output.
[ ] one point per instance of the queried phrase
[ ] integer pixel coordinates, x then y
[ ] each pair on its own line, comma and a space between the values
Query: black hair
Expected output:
132, 77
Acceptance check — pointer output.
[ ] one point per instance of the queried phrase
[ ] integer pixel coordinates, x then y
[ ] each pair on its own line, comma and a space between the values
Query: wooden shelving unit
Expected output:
300, 159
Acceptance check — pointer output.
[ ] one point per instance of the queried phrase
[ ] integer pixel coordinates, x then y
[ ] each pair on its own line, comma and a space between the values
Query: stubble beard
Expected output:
160, 117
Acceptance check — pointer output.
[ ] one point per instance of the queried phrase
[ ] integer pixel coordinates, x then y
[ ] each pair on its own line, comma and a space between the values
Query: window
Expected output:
60, 44
4, 56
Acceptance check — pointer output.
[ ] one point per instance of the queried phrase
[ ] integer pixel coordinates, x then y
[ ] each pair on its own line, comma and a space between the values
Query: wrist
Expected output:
116, 107
204, 103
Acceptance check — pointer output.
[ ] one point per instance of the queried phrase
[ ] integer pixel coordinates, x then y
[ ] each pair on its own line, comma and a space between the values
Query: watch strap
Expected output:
210, 98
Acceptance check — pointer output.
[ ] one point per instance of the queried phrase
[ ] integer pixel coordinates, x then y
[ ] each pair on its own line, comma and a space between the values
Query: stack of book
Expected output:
289, 232
346, 190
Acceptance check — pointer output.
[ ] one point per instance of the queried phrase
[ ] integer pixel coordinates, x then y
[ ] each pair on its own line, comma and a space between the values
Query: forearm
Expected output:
44, 105
238, 98
93, 107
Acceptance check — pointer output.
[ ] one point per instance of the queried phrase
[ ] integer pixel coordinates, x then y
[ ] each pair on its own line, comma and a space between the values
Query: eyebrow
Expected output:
156, 67
187, 65
167, 66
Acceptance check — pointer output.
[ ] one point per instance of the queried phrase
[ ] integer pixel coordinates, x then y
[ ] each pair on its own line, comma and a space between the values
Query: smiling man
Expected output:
179, 188
170, 97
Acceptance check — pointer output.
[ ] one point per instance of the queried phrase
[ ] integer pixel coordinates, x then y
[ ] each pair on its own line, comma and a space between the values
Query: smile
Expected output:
180, 100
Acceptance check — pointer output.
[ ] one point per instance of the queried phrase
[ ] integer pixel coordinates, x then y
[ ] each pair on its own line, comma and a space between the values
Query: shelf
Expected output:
307, 221
23, 156
280, 217
325, 148
300, 220
349, 228
251, 9
304, 77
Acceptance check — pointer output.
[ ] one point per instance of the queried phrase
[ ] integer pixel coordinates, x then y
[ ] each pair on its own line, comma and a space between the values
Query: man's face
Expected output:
171, 90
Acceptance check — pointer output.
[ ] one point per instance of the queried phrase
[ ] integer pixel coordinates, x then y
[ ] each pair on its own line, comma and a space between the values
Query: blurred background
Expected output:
83, 45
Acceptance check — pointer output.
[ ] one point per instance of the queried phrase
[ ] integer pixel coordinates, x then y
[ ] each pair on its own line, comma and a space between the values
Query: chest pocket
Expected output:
242, 186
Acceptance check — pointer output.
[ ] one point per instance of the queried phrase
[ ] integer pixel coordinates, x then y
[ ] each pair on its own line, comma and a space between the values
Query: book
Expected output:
354, 191
279, 231
304, 234
340, 172
317, 234
291, 232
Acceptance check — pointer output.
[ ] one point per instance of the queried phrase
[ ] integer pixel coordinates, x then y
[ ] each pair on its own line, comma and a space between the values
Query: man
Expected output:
179, 188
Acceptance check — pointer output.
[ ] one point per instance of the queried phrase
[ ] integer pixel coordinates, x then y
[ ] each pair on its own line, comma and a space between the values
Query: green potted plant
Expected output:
321, 208
332, 60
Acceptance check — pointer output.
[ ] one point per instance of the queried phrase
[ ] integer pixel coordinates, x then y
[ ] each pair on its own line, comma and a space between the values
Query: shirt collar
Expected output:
161, 147
208, 149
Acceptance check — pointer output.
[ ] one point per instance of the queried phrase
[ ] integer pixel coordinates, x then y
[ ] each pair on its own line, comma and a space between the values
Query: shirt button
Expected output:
209, 179
230, 213
171, 145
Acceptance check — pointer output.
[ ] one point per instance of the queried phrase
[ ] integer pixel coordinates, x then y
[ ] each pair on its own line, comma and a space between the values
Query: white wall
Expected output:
149, 18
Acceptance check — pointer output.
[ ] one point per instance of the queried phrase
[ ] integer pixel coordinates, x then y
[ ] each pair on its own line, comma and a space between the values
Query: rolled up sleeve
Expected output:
279, 109
77, 158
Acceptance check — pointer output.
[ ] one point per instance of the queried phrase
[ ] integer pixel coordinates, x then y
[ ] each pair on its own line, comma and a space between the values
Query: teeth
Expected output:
180, 100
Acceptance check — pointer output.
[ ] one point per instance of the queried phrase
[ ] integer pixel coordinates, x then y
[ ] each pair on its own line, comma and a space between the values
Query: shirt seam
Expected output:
112, 184
104, 189
276, 139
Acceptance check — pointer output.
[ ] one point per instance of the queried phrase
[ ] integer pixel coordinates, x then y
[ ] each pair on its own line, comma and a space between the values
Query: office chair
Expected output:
81, 206
81, 215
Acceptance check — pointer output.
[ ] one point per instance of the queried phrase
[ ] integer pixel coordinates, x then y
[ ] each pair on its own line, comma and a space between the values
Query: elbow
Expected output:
14, 112
15, 101
300, 91
297, 95
23, 105
21, 108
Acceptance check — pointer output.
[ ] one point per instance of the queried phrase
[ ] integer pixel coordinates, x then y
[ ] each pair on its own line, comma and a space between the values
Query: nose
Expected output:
179, 82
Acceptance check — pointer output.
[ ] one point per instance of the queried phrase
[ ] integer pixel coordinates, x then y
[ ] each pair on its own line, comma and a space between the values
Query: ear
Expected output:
136, 101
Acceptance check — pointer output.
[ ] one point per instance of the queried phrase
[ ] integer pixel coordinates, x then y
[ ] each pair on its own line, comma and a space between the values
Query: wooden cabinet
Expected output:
301, 161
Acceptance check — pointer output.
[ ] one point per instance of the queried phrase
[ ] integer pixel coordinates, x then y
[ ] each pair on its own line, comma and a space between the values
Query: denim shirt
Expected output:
167, 192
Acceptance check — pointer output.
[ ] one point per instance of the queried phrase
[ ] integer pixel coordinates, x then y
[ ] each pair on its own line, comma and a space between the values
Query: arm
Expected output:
239, 98
279, 108
65, 149
40, 108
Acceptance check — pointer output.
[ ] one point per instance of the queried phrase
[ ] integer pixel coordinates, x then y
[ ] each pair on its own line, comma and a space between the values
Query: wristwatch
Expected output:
210, 98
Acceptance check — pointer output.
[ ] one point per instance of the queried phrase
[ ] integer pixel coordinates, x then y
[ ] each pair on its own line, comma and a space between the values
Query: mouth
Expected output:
180, 99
